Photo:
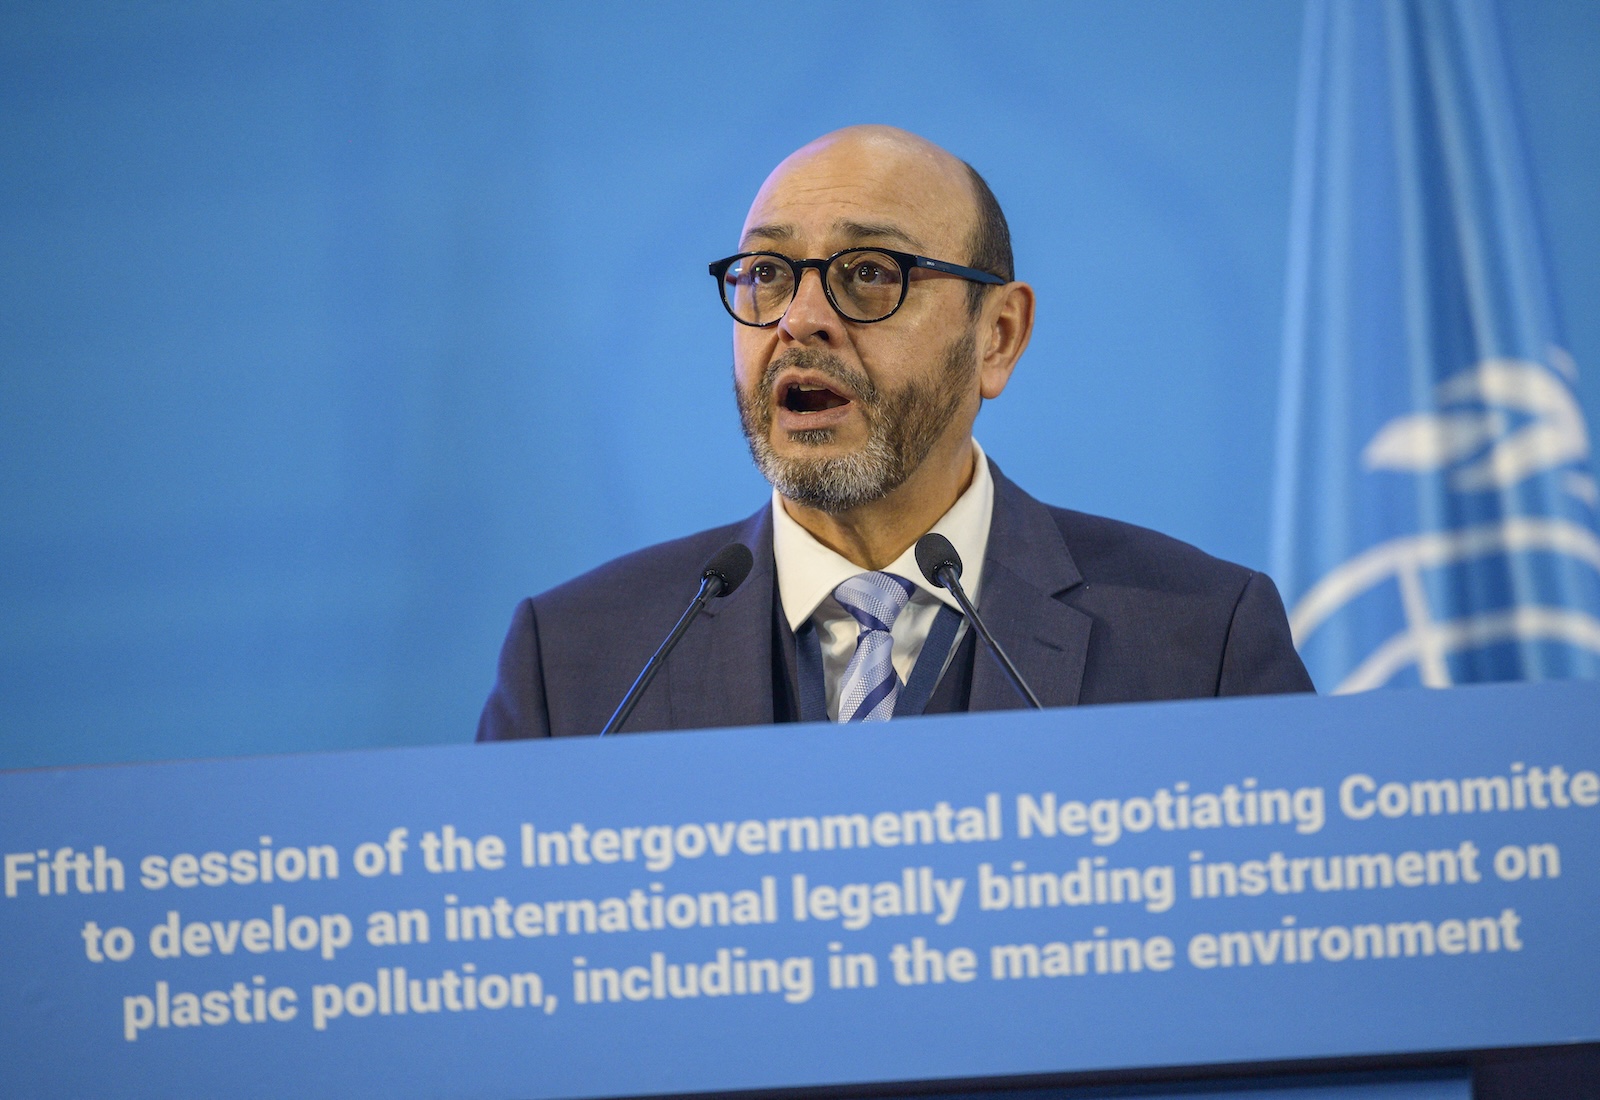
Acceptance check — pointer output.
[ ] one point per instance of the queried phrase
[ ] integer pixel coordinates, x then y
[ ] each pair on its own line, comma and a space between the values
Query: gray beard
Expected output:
902, 427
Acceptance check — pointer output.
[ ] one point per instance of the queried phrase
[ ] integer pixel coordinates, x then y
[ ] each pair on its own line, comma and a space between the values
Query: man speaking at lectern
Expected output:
874, 310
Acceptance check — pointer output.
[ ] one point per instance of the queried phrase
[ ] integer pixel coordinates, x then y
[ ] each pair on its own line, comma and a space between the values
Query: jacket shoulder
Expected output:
1170, 620
671, 568
573, 650
1111, 552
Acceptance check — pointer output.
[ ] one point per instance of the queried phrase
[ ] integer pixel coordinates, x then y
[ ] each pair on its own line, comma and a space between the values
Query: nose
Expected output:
810, 317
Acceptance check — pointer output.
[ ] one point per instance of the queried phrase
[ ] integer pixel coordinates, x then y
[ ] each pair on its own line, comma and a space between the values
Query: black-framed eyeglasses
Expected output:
862, 284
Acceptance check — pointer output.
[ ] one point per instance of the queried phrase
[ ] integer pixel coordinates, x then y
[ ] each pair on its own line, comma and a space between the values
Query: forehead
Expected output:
829, 197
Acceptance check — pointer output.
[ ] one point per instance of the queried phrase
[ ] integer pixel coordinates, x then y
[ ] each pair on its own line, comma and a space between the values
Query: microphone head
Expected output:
730, 565
934, 552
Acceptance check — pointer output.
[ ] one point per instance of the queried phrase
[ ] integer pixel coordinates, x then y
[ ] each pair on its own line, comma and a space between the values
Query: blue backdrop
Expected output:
306, 373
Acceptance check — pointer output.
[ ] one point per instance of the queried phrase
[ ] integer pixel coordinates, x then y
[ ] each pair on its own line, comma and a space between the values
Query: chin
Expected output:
811, 439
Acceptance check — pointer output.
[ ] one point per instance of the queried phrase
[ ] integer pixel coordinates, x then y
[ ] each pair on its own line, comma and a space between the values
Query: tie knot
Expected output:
874, 599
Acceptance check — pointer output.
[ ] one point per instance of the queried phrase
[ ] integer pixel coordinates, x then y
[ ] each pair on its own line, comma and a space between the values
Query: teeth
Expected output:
809, 389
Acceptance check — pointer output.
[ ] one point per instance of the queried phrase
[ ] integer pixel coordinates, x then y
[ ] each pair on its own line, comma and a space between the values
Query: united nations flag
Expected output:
1435, 517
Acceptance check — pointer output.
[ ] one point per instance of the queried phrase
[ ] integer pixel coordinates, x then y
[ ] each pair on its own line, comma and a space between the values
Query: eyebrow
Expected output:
855, 232
867, 231
766, 232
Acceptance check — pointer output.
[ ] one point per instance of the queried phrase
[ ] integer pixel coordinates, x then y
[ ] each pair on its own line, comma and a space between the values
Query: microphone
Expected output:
726, 570
941, 564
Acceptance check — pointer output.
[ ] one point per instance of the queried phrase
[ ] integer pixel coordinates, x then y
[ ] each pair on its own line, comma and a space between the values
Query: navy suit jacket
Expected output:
1091, 611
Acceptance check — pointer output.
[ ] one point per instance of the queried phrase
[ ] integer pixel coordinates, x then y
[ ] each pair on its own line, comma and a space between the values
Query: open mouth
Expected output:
802, 397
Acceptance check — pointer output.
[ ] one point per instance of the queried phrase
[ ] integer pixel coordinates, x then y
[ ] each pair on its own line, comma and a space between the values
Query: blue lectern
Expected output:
1371, 896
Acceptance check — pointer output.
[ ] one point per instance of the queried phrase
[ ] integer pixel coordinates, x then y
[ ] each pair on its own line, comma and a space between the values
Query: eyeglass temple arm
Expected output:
956, 269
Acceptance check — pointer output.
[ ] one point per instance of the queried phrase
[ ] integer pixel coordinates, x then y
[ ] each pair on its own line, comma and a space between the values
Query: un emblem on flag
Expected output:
1501, 580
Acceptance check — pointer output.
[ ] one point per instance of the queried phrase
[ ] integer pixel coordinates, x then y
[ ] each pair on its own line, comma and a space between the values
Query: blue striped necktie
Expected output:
869, 688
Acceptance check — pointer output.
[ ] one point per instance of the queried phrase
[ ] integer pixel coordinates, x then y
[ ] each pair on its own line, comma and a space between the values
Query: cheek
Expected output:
751, 351
925, 325
890, 358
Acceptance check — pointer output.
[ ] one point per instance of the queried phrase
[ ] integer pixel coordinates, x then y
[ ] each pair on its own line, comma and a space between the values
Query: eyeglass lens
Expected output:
864, 286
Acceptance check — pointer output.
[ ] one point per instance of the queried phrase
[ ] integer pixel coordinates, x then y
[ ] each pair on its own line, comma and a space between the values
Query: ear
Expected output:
1004, 328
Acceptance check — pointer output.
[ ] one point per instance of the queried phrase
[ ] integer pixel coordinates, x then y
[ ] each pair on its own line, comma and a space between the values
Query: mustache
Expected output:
824, 363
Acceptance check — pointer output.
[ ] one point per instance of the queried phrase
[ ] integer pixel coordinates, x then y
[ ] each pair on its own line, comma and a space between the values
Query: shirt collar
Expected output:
808, 571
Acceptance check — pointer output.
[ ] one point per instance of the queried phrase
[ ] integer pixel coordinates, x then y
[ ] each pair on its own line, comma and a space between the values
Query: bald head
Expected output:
883, 178
888, 145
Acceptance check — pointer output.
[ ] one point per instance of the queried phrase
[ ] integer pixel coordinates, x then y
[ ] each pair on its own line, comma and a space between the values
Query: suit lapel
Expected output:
1026, 567
721, 672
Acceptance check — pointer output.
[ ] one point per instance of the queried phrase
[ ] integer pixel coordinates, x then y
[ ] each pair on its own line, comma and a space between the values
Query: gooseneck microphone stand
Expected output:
941, 564
722, 574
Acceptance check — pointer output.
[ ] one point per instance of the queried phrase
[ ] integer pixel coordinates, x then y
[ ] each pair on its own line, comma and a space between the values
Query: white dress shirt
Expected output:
808, 572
